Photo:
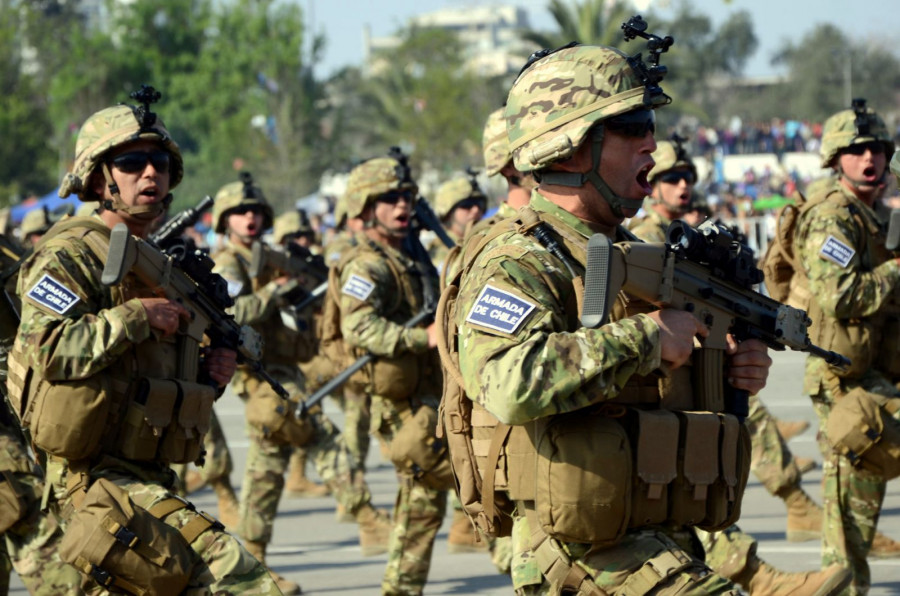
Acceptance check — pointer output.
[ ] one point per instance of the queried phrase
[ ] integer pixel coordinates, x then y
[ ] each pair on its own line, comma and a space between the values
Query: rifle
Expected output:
170, 233
190, 281
707, 273
424, 217
296, 261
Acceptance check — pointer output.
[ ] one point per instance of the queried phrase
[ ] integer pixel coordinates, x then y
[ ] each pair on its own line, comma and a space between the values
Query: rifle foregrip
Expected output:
595, 308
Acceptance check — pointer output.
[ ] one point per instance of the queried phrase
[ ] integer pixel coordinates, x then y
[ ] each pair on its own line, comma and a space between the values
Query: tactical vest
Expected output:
858, 339
646, 457
395, 378
146, 406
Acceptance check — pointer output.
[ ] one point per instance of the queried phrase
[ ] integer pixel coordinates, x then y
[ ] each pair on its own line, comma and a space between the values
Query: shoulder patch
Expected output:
52, 294
498, 309
836, 251
358, 287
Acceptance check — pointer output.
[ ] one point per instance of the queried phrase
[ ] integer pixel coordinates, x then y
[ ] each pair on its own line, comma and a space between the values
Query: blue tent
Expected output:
51, 201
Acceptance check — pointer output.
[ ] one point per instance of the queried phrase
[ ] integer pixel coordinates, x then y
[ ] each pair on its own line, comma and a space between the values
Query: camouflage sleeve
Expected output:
70, 329
249, 307
647, 229
516, 353
367, 289
828, 252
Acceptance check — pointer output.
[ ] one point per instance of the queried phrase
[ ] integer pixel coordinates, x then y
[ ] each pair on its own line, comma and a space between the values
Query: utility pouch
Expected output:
69, 418
148, 418
855, 339
726, 493
12, 500
417, 451
860, 429
123, 547
584, 478
183, 442
698, 467
395, 379
656, 463
275, 417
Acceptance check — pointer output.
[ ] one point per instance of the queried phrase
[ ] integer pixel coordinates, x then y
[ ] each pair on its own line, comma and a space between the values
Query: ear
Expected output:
97, 184
580, 161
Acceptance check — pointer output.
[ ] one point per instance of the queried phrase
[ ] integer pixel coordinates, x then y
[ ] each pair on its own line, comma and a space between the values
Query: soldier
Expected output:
498, 160
90, 360
242, 214
34, 225
380, 288
459, 203
581, 120
847, 281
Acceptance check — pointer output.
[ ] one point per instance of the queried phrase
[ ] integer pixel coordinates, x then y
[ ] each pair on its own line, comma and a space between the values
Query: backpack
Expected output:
778, 262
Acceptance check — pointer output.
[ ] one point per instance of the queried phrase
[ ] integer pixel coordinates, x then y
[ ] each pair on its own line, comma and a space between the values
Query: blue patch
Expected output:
836, 251
358, 287
52, 294
499, 310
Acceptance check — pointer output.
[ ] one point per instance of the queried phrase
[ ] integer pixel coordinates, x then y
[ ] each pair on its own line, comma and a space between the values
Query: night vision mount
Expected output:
250, 191
862, 121
680, 152
652, 72
145, 96
403, 172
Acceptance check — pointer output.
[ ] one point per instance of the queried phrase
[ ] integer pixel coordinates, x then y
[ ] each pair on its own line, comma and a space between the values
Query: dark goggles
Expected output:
876, 147
479, 202
393, 197
636, 123
244, 209
135, 161
676, 176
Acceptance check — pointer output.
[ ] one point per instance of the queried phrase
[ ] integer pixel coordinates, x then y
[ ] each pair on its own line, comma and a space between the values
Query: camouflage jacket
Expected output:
342, 241
522, 351
651, 227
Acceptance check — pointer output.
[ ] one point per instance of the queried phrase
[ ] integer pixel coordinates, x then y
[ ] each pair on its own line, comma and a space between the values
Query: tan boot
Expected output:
884, 547
374, 531
761, 579
229, 509
298, 485
342, 516
804, 521
463, 538
805, 464
791, 428
258, 550
193, 481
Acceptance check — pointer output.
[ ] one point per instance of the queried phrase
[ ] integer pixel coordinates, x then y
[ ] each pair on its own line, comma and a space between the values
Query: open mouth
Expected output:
869, 172
641, 178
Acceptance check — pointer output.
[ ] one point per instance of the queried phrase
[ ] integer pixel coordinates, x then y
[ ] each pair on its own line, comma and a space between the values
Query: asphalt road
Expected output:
324, 557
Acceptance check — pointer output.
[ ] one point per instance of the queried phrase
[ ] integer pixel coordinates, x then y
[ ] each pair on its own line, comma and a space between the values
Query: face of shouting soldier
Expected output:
673, 190
388, 217
245, 224
863, 166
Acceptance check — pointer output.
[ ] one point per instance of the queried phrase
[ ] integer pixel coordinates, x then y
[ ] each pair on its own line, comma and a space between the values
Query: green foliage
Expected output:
589, 22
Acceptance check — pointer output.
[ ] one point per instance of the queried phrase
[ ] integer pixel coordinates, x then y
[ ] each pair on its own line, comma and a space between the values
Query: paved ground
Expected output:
309, 547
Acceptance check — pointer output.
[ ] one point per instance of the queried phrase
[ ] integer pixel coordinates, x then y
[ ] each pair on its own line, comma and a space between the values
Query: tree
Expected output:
591, 22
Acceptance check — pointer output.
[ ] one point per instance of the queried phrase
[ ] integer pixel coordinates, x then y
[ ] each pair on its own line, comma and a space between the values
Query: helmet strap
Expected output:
140, 212
577, 179
862, 185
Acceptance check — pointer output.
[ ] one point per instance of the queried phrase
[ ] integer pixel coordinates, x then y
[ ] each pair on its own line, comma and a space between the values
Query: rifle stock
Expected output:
204, 299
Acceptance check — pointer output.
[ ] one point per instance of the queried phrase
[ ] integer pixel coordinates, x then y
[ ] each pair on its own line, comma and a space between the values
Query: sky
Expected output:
775, 21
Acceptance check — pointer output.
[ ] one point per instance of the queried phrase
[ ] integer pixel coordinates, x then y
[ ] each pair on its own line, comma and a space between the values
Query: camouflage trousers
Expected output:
418, 514
356, 405
217, 461
267, 462
222, 565
770, 459
852, 500
648, 560
31, 546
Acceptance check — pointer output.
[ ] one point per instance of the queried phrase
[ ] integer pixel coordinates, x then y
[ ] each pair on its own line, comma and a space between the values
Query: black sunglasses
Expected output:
481, 203
859, 148
676, 176
636, 123
241, 210
136, 161
393, 197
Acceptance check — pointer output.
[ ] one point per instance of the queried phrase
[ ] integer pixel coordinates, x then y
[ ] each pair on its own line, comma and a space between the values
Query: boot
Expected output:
374, 530
463, 538
258, 550
805, 464
884, 547
342, 516
804, 520
761, 579
193, 481
297, 484
790, 429
229, 509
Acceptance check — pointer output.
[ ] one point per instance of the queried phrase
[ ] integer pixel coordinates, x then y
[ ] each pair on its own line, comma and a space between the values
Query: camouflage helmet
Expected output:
36, 221
559, 98
108, 129
671, 155
495, 143
373, 178
291, 223
454, 191
856, 125
240, 194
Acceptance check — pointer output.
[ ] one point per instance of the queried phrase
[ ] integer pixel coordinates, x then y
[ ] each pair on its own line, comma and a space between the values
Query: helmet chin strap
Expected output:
862, 185
141, 212
577, 179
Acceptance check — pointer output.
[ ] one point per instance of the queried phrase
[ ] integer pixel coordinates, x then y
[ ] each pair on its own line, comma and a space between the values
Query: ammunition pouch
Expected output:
396, 378
13, 500
126, 548
275, 417
68, 419
860, 429
416, 451
166, 420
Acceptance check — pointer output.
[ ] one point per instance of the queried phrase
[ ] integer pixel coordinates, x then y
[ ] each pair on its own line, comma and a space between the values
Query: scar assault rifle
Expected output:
189, 280
707, 273
170, 233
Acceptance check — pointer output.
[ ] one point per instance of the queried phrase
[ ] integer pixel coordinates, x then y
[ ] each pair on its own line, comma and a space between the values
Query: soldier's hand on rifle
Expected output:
677, 329
164, 314
432, 335
220, 364
749, 364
